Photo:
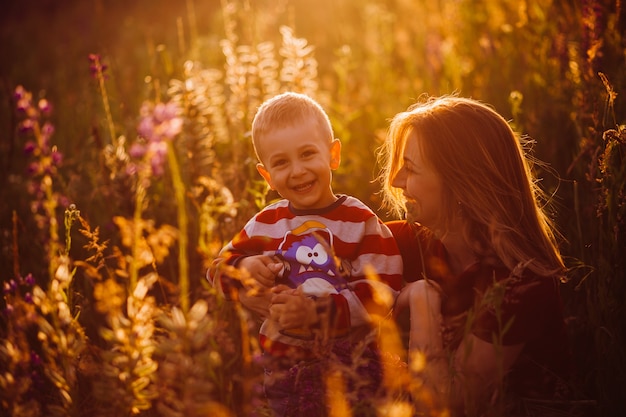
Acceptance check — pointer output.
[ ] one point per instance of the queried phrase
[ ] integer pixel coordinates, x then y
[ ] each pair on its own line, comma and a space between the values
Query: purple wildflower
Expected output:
33, 169
29, 147
57, 157
131, 169
158, 152
20, 92
35, 359
26, 126
45, 107
137, 150
159, 122
158, 125
29, 280
96, 66
47, 130
24, 99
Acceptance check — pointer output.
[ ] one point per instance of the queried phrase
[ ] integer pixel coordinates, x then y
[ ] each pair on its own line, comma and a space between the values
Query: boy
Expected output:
313, 248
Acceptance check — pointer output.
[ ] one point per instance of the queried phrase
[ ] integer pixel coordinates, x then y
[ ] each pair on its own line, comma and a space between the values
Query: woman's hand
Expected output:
424, 300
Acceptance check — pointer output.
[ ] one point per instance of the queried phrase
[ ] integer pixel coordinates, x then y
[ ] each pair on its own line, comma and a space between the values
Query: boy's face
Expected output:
297, 161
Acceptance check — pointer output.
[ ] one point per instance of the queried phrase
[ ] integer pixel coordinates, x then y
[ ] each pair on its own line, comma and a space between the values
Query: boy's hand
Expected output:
262, 268
290, 308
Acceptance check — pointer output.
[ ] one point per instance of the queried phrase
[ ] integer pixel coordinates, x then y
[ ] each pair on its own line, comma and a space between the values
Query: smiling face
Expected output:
421, 186
297, 160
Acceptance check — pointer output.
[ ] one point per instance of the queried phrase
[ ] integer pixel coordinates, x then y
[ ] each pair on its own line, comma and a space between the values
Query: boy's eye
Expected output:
279, 162
308, 153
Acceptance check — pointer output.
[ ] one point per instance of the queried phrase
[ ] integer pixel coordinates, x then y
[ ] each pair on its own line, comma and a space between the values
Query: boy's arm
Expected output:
226, 273
256, 273
375, 280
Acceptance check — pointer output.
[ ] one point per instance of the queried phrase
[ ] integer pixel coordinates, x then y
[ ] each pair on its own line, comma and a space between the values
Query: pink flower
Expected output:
159, 122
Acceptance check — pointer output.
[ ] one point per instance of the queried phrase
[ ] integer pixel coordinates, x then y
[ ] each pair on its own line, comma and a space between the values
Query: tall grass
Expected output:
115, 208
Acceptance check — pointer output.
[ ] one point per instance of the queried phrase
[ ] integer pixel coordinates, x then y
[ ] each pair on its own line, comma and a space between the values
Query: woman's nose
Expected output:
399, 180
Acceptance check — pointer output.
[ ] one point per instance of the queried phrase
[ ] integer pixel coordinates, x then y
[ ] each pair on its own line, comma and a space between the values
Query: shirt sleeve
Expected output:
376, 277
407, 237
517, 309
222, 273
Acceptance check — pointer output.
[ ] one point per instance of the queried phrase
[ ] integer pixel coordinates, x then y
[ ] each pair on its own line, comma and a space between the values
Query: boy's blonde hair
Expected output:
486, 179
288, 109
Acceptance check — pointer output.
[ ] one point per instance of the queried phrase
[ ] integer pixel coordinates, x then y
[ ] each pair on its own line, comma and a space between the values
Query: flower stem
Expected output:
137, 230
179, 193
105, 98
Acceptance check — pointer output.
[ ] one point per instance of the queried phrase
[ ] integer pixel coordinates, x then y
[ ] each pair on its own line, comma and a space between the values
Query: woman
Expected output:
480, 256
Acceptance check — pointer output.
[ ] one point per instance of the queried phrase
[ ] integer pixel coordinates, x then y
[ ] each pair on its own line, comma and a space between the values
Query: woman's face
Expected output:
422, 186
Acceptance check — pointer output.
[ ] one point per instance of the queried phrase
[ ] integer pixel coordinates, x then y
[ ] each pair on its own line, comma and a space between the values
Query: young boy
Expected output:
313, 248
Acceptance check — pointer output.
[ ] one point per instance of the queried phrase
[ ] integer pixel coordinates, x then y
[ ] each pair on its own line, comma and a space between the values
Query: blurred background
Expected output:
554, 68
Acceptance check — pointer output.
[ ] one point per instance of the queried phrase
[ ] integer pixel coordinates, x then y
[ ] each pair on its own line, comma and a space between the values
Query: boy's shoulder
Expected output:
275, 210
274, 204
351, 201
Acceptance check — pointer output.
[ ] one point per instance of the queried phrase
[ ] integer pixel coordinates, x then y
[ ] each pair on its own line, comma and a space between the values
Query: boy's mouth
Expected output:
303, 187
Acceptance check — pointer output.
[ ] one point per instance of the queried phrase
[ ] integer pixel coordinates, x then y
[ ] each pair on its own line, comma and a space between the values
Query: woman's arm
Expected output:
479, 367
471, 377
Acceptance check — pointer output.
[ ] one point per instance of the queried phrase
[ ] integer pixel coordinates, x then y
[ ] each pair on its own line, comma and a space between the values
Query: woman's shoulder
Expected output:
517, 286
409, 232
417, 246
529, 298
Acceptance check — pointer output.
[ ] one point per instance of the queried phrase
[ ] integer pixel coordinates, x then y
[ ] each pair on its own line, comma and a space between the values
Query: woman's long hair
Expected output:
486, 178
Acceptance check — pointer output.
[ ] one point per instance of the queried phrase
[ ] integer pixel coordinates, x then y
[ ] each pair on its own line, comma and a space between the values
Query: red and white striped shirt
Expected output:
343, 251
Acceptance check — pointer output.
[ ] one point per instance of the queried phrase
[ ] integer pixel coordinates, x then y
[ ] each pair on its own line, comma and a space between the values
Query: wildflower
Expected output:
56, 156
23, 98
45, 107
137, 150
158, 152
29, 280
29, 147
47, 130
46, 158
36, 361
26, 126
97, 67
158, 125
9, 287
159, 122
20, 92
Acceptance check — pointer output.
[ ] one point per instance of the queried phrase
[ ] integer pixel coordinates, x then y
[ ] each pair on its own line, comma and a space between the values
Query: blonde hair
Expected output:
486, 179
288, 109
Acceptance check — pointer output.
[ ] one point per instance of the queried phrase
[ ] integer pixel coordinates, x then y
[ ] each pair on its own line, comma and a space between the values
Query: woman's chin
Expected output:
412, 215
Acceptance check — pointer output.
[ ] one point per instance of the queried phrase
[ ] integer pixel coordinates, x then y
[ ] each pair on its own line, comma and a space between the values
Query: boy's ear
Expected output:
265, 174
335, 154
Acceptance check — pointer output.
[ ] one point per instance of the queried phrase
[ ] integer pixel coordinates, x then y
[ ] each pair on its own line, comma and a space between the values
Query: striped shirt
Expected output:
342, 252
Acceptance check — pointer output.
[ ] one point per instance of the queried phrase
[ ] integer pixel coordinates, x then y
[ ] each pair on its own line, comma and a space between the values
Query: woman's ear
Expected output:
265, 174
335, 154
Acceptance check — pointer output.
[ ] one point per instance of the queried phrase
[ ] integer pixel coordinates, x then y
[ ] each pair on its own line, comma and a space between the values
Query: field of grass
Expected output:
125, 165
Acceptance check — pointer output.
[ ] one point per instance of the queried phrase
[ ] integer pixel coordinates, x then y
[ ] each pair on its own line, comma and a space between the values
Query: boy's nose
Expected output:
297, 169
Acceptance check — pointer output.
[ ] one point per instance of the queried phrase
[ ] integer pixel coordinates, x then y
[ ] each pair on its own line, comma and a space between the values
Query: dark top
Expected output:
509, 307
